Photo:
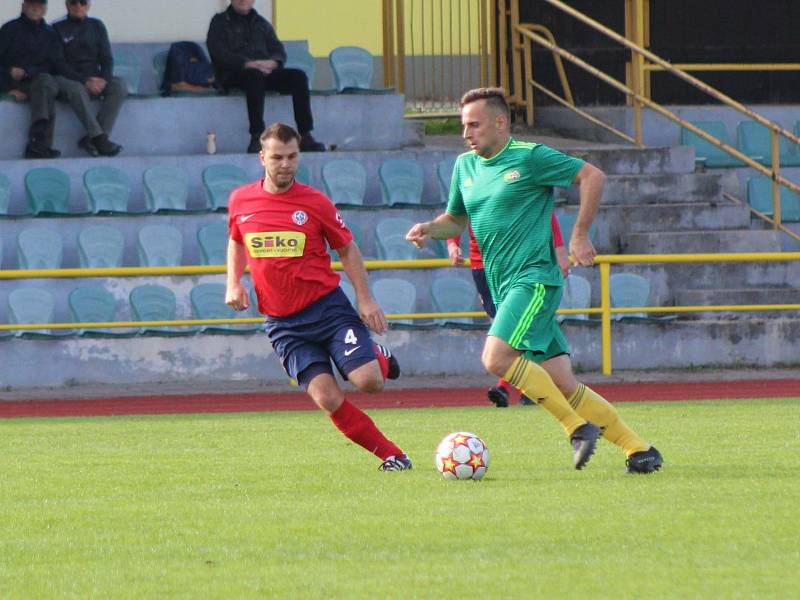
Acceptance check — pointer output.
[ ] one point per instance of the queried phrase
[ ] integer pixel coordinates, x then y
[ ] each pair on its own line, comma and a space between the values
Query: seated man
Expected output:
248, 55
88, 53
30, 54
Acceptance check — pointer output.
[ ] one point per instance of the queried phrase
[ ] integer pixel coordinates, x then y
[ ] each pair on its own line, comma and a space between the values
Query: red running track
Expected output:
403, 398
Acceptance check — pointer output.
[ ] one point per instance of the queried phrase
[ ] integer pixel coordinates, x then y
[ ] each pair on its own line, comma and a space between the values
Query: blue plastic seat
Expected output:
576, 293
390, 239
303, 174
707, 152
298, 57
629, 289
100, 246
759, 196
444, 175
566, 221
396, 296
402, 180
95, 304
208, 302
351, 67
128, 67
39, 248
166, 187
453, 294
159, 66
5, 194
28, 306
47, 190
219, 181
160, 246
156, 303
755, 140
108, 189
213, 241
345, 181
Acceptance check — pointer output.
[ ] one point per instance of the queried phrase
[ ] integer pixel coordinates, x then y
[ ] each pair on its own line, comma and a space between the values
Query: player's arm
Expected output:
368, 309
562, 256
591, 181
442, 227
235, 292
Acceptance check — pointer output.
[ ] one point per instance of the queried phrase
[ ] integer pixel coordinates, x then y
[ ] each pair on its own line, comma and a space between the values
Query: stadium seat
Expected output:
390, 239
166, 187
208, 302
402, 180
219, 181
100, 246
108, 189
95, 304
444, 175
128, 67
5, 194
345, 182
759, 196
213, 241
159, 66
453, 294
566, 221
156, 303
349, 291
47, 191
33, 305
629, 289
352, 71
39, 248
706, 152
303, 175
160, 246
755, 140
576, 293
298, 57
396, 296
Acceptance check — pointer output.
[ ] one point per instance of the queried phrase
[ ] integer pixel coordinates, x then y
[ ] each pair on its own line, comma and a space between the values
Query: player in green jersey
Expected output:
504, 189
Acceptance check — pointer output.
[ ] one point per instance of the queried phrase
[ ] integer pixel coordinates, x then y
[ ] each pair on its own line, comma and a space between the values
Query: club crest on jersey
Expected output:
299, 217
511, 175
468, 182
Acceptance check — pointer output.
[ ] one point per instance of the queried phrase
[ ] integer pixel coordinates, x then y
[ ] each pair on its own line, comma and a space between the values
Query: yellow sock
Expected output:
535, 382
593, 407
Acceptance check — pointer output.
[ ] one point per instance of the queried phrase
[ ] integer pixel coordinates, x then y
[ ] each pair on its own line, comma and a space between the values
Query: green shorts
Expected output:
526, 320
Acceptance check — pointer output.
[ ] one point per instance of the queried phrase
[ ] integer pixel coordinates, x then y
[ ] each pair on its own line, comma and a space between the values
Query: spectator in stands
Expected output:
248, 55
88, 53
30, 54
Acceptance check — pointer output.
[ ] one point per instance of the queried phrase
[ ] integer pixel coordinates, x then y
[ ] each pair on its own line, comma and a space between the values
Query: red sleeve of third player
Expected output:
233, 227
333, 227
558, 240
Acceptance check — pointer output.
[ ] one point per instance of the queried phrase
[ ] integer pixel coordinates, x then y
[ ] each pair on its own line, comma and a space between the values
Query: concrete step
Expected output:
638, 161
764, 295
667, 242
657, 189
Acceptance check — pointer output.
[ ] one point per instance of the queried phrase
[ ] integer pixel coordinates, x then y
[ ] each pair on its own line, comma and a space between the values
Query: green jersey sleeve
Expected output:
553, 168
455, 201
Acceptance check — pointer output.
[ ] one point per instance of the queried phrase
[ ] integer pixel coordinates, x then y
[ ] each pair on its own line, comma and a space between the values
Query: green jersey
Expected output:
509, 201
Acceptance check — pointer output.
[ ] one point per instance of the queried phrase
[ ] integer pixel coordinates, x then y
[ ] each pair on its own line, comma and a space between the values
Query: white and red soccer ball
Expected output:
462, 455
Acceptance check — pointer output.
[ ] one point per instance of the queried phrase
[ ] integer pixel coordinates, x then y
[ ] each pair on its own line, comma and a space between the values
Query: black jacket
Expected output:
86, 47
33, 46
234, 39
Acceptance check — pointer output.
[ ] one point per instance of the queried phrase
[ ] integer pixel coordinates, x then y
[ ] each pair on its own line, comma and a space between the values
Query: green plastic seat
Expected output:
27, 306
298, 57
453, 294
5, 194
159, 66
759, 196
128, 67
345, 181
303, 175
160, 246
566, 221
396, 296
213, 241
755, 140
389, 233
166, 187
219, 181
629, 289
108, 189
39, 248
100, 246
47, 190
351, 67
402, 181
95, 304
707, 152
576, 293
208, 302
151, 302
444, 175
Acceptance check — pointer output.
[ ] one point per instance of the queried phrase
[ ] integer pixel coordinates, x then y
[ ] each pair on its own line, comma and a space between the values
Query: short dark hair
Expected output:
494, 96
281, 132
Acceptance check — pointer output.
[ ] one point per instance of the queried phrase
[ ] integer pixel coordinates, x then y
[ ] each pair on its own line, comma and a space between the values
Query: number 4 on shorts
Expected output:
350, 338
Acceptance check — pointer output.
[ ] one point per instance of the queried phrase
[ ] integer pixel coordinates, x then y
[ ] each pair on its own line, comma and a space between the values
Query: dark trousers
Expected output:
42, 91
284, 81
78, 97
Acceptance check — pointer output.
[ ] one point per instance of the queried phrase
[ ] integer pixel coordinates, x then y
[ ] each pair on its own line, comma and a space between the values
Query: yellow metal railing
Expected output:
605, 310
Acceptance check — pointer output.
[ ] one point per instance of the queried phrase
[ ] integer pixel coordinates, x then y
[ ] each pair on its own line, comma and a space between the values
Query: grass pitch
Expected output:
280, 505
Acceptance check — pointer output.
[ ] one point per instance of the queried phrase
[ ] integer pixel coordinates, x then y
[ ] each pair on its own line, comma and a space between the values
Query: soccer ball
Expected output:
462, 455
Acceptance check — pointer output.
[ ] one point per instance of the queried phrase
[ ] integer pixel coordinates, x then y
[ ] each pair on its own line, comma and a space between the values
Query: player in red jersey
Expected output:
282, 230
500, 393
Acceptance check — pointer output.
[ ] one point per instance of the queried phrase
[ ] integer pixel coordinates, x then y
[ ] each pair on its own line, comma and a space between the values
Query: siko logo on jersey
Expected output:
511, 175
275, 244
299, 217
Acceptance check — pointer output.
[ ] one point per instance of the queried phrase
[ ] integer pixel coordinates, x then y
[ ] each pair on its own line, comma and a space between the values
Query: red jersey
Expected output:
286, 238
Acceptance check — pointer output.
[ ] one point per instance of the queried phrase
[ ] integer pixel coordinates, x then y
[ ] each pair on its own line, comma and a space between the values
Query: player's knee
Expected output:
493, 363
328, 401
370, 384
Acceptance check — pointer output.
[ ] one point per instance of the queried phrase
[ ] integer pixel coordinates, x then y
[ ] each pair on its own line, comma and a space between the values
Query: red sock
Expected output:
505, 385
358, 427
383, 362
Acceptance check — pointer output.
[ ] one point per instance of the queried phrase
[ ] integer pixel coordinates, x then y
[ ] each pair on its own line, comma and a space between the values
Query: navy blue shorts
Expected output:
479, 277
327, 330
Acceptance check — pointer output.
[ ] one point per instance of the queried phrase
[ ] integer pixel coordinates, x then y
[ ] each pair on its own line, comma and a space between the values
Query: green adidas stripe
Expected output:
527, 317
